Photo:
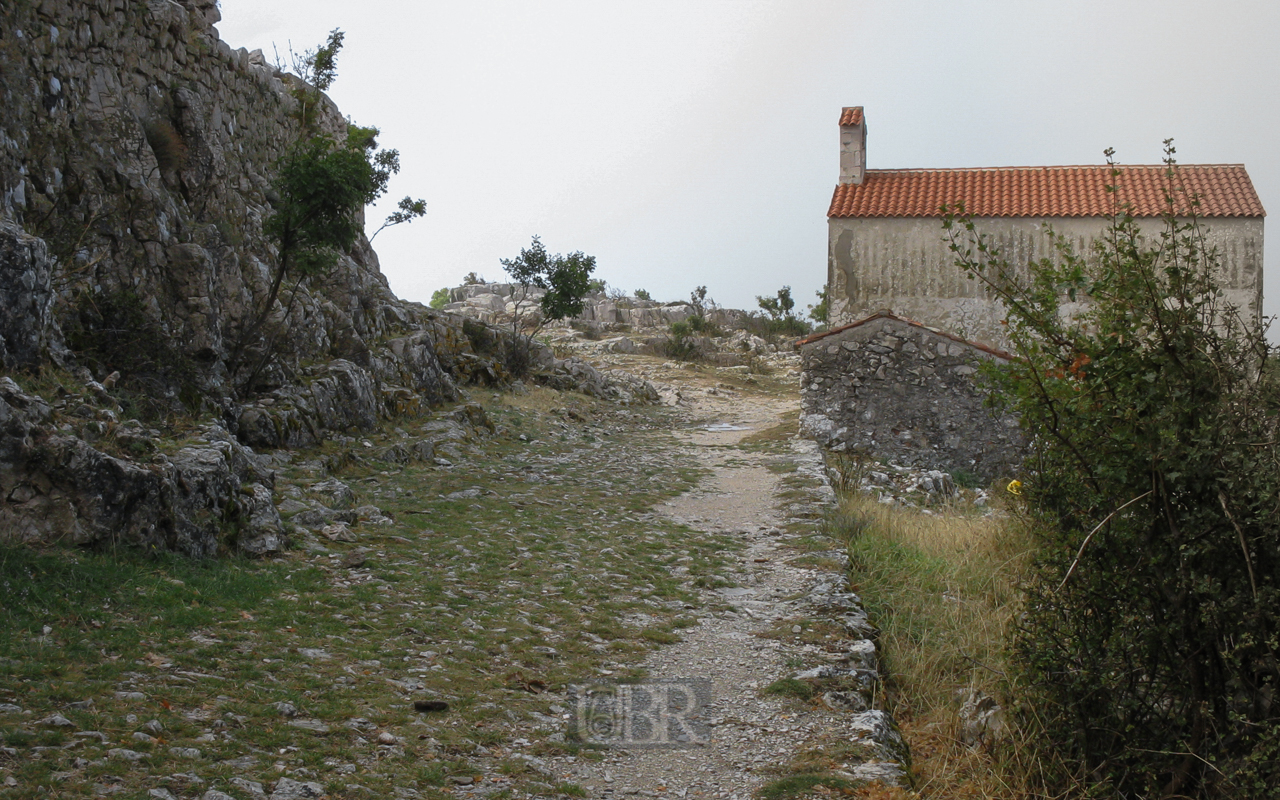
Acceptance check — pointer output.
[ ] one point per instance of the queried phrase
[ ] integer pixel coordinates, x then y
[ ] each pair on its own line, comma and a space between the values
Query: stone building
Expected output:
893, 388
886, 247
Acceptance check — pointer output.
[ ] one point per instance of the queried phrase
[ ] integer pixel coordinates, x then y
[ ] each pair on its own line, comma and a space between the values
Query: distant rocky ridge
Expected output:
136, 160
612, 323
496, 302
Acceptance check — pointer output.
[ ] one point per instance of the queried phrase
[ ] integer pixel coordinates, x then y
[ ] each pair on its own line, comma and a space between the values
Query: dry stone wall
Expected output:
140, 148
894, 389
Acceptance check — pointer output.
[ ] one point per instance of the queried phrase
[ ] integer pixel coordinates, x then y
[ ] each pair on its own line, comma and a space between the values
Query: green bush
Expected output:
699, 321
682, 343
788, 326
1153, 629
782, 320
702, 325
440, 298
821, 312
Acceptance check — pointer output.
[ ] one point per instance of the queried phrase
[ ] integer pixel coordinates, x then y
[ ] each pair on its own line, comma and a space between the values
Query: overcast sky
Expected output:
695, 142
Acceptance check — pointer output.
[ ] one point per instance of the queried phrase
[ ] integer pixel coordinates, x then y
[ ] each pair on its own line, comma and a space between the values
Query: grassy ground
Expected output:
549, 569
942, 586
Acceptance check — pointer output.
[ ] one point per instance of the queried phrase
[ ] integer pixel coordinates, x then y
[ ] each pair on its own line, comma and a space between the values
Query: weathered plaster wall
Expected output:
904, 265
896, 390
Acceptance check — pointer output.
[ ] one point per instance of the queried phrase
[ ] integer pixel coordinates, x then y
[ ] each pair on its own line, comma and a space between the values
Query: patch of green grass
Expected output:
805, 785
790, 687
659, 636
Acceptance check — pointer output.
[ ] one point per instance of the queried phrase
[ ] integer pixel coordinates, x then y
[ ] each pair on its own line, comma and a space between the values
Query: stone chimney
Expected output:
853, 145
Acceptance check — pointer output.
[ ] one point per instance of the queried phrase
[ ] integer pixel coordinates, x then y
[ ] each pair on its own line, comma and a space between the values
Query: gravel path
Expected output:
747, 735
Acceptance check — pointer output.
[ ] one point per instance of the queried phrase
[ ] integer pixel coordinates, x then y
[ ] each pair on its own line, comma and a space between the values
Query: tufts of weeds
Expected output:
659, 635
776, 437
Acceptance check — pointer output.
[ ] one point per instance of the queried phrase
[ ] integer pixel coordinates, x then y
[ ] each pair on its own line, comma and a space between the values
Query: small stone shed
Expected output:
896, 389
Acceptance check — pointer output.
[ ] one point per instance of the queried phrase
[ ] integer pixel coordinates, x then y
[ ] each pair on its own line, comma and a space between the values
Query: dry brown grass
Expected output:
943, 589
541, 400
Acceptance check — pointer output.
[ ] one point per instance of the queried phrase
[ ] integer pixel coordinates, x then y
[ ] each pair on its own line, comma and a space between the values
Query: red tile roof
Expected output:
1224, 190
851, 116
815, 337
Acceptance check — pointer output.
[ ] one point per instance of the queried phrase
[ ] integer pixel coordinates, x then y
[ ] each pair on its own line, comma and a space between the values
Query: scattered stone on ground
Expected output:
777, 611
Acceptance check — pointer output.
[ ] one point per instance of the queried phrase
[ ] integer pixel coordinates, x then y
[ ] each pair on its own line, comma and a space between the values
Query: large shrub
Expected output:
1152, 628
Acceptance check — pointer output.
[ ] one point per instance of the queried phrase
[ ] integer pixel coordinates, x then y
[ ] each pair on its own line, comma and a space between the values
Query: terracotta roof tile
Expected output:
851, 116
1224, 190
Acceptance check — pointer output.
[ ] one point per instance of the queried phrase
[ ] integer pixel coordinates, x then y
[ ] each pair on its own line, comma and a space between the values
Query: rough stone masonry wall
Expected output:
900, 391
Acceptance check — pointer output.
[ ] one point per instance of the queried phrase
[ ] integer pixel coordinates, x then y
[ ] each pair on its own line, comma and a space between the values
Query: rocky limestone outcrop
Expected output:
612, 323
212, 493
28, 331
497, 303
137, 155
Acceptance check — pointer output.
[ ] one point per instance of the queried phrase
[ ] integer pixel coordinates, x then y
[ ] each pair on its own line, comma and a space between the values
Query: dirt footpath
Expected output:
758, 631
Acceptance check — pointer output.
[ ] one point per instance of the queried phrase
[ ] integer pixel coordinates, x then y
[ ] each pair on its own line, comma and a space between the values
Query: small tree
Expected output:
407, 210
1152, 629
780, 309
322, 185
565, 281
702, 307
820, 312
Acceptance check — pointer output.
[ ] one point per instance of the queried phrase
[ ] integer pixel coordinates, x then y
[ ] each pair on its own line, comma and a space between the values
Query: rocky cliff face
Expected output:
140, 148
137, 153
